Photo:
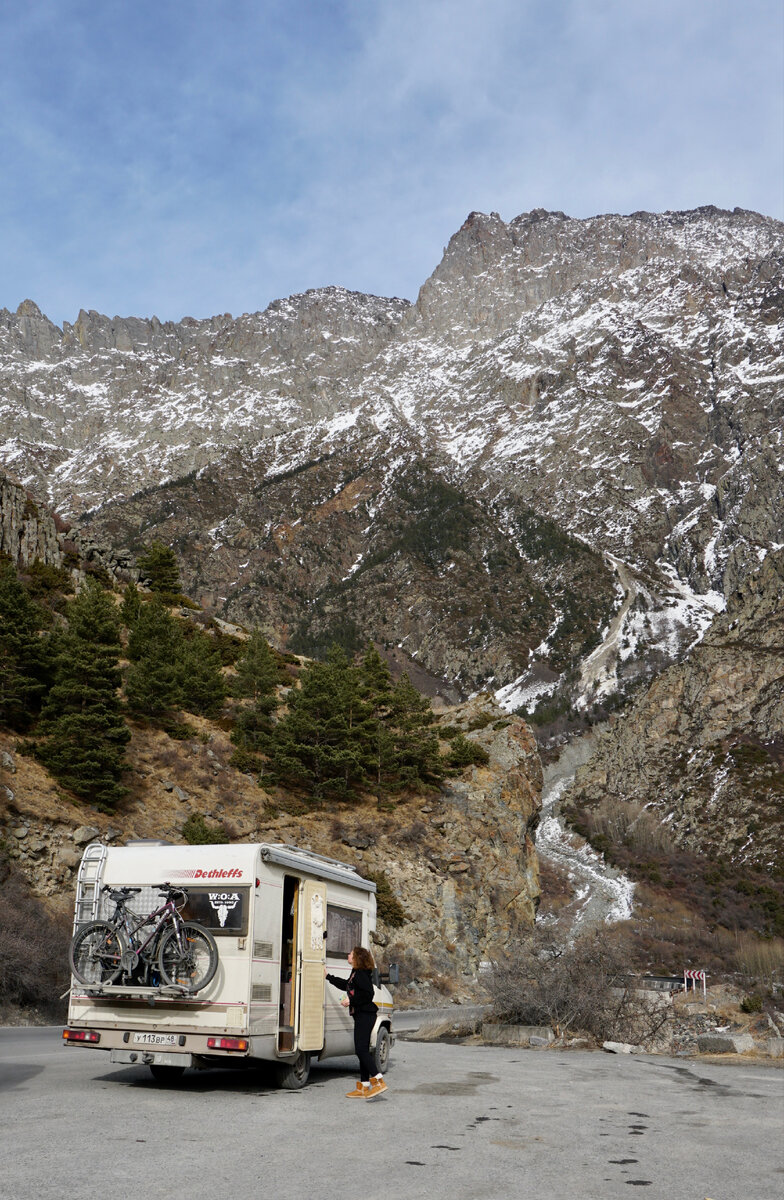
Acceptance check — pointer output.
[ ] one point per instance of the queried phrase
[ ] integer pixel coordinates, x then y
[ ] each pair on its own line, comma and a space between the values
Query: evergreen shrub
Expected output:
198, 832
158, 567
465, 753
388, 907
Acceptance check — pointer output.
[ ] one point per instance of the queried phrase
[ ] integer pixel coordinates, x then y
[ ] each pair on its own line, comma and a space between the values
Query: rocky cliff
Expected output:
27, 531
461, 861
703, 749
30, 533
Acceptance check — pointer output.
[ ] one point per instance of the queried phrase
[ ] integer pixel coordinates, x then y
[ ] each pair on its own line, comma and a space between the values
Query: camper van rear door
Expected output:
313, 909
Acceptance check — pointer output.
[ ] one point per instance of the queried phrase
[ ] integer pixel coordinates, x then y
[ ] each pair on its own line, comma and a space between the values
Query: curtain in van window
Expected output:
344, 930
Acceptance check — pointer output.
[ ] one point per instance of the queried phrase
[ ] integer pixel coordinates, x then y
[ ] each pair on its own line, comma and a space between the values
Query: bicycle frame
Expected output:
124, 918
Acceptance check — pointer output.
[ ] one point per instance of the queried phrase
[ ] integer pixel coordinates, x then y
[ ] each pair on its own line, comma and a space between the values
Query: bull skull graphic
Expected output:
223, 903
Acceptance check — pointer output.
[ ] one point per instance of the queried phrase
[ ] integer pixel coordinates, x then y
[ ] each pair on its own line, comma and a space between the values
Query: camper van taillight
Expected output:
81, 1035
227, 1043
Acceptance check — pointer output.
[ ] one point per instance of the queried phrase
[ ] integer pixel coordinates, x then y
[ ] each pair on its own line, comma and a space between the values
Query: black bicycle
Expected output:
175, 952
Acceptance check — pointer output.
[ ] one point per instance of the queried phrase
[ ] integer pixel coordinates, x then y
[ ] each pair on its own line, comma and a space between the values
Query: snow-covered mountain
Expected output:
571, 444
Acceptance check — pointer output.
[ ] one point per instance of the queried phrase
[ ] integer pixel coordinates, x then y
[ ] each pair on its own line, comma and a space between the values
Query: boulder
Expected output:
725, 1043
68, 858
85, 834
517, 1035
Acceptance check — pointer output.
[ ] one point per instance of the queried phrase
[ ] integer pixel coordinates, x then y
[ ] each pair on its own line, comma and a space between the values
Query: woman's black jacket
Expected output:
359, 987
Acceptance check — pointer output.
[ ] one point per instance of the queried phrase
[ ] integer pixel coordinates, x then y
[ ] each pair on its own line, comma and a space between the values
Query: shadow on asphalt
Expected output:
248, 1080
15, 1074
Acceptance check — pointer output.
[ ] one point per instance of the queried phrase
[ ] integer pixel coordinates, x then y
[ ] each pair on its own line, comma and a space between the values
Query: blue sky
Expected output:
191, 158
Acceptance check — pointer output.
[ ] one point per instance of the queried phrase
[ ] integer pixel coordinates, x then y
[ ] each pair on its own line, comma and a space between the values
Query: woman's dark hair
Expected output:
363, 958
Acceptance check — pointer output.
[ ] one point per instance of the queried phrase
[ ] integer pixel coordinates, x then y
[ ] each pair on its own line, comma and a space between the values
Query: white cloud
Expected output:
193, 160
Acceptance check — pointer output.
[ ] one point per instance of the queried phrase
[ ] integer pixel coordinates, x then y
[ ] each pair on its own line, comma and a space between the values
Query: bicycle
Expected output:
182, 953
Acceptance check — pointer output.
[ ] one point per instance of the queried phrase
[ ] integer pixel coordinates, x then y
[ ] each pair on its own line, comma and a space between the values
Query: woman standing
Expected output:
360, 1003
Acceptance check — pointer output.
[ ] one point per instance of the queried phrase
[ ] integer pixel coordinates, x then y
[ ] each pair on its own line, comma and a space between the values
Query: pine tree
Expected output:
416, 744
153, 679
377, 691
202, 687
349, 726
131, 606
316, 744
158, 566
256, 679
25, 657
257, 670
252, 730
82, 719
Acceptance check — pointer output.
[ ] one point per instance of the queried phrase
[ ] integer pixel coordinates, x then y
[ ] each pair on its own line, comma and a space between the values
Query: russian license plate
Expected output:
155, 1039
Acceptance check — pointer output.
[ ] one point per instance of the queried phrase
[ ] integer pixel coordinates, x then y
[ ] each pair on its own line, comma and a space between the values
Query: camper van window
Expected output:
222, 910
344, 930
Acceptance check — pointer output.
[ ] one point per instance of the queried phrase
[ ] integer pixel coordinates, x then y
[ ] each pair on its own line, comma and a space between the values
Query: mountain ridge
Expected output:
616, 376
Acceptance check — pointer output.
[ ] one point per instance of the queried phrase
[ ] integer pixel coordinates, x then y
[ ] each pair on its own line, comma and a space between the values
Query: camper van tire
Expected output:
169, 1075
381, 1051
97, 953
295, 1074
196, 966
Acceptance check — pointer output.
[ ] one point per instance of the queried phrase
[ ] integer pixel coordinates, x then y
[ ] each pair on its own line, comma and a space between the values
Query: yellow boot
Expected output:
360, 1092
377, 1085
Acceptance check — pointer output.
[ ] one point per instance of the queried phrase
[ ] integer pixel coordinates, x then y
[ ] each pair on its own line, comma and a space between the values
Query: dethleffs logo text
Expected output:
213, 873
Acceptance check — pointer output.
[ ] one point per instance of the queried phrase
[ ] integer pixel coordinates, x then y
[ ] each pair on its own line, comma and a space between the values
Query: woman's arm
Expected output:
337, 982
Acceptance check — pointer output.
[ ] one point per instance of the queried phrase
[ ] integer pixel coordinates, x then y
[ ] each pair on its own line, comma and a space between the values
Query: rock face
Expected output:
27, 531
704, 747
30, 533
615, 380
366, 544
467, 869
462, 862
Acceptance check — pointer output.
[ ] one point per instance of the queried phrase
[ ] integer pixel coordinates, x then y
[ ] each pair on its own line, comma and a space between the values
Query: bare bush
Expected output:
221, 752
759, 959
167, 758
647, 835
629, 824
33, 948
337, 830
612, 819
413, 835
581, 986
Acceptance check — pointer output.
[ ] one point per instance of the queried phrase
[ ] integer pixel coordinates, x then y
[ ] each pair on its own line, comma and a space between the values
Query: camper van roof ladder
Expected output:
88, 881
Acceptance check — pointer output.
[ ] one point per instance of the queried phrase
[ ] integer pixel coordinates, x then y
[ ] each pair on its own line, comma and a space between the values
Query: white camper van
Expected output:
278, 915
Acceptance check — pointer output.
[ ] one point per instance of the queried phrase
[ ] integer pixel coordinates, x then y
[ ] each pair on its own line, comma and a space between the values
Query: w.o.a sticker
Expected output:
223, 903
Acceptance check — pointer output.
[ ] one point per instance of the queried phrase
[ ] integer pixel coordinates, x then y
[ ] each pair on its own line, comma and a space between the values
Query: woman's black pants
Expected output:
363, 1027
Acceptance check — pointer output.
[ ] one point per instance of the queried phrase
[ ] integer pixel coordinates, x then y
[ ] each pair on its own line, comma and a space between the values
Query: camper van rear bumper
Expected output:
150, 1058
182, 1045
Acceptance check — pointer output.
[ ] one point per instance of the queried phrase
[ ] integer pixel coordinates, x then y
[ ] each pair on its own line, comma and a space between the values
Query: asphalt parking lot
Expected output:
458, 1123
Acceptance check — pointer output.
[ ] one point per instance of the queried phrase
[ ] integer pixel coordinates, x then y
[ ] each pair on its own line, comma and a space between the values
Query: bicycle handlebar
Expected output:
170, 890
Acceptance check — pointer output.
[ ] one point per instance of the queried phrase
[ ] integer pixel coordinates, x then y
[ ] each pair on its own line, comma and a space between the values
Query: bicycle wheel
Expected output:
189, 960
97, 953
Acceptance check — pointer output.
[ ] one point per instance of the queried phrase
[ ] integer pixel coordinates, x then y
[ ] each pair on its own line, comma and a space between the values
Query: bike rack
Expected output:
130, 992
